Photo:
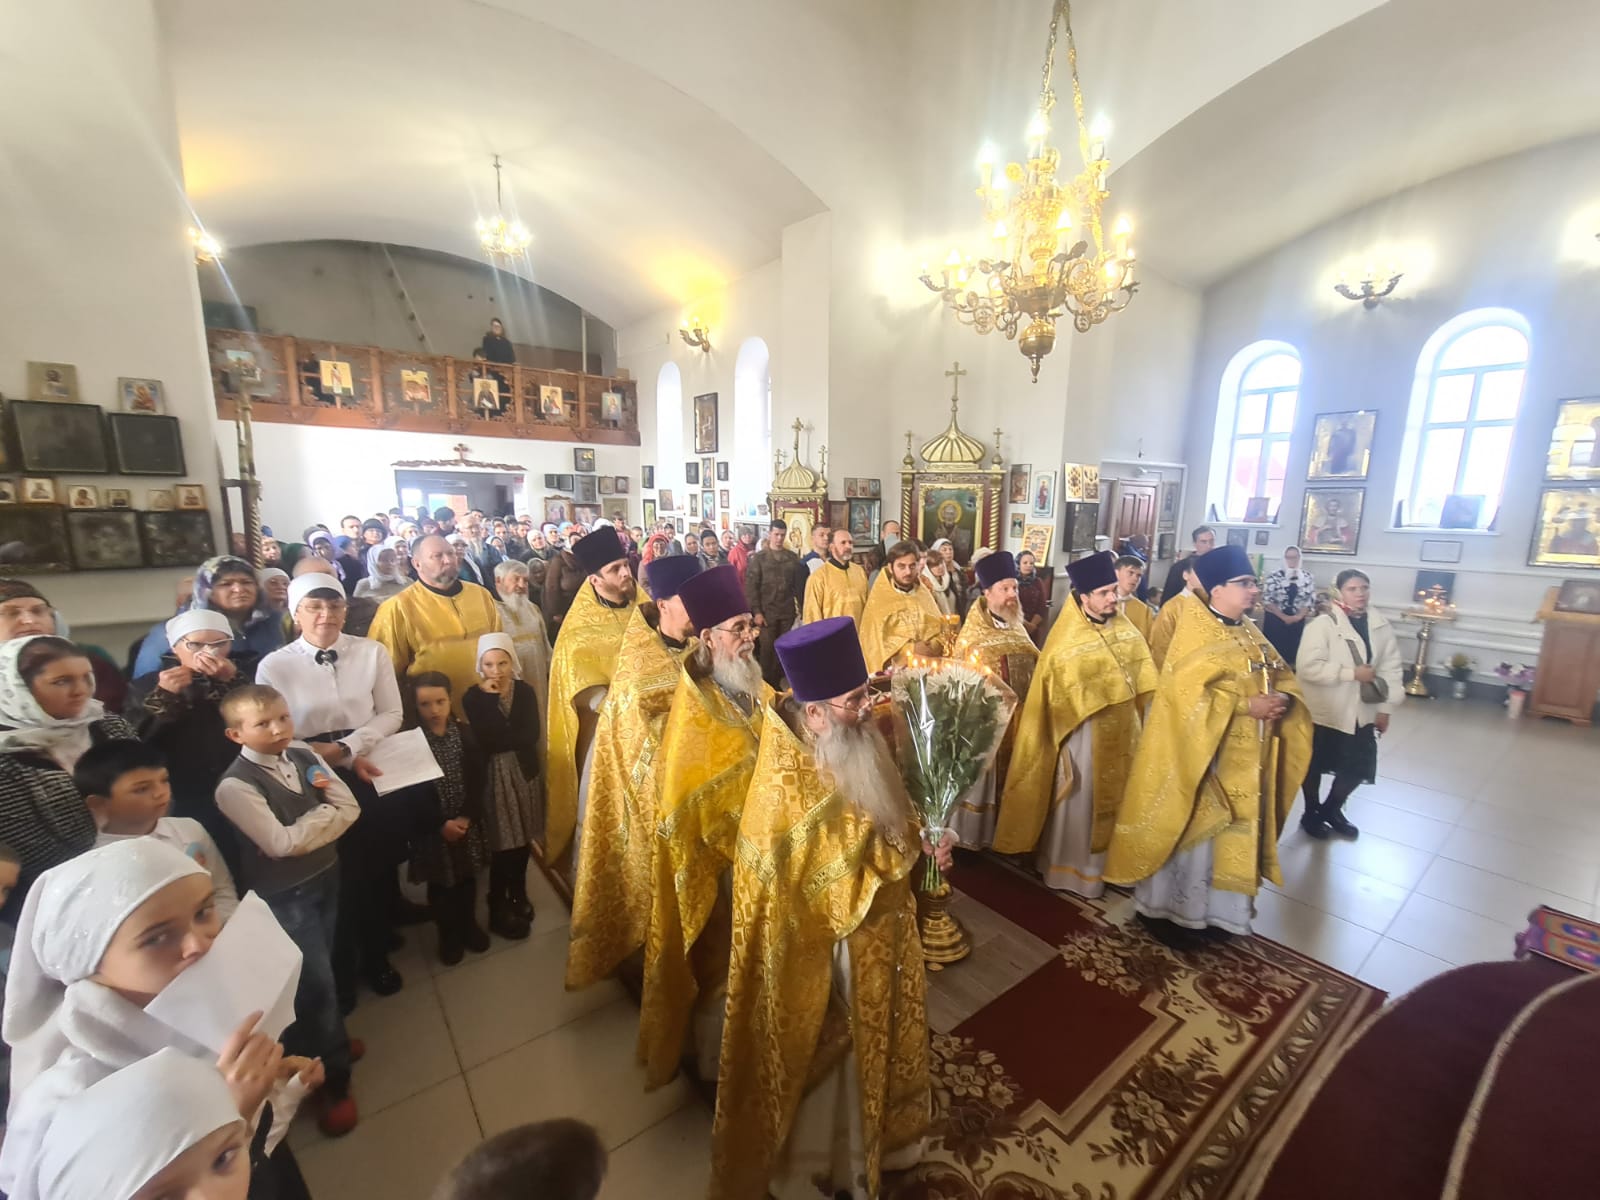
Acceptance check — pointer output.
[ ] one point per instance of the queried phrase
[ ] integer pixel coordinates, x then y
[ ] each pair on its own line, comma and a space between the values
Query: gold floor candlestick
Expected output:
943, 939
1418, 685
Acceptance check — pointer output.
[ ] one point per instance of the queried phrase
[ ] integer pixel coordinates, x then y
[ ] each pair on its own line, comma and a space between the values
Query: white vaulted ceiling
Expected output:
659, 149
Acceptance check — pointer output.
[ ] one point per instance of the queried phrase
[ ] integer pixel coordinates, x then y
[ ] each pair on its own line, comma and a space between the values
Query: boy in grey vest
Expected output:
290, 809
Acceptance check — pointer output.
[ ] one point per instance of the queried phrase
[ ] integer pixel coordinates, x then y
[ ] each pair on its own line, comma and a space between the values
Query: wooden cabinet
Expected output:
1568, 676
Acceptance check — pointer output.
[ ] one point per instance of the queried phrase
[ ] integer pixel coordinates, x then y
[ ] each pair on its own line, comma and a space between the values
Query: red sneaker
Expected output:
358, 1050
338, 1117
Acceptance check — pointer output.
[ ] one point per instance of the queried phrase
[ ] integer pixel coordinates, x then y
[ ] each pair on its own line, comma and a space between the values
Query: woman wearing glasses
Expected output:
177, 708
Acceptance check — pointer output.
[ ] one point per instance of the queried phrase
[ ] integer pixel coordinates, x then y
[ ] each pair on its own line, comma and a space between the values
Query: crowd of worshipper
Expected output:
687, 733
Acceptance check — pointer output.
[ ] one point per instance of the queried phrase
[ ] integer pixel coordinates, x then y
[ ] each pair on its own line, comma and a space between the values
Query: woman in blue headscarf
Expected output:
226, 585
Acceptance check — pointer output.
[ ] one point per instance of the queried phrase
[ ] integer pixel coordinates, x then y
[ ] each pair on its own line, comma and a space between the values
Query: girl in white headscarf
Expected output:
504, 715
385, 576
164, 1126
48, 717
936, 570
100, 937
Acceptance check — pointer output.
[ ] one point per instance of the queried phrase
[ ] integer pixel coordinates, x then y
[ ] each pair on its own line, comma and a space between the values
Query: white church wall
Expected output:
97, 268
1517, 233
342, 292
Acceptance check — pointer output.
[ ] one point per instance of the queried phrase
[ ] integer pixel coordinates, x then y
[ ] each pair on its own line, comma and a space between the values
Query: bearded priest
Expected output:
581, 668
902, 618
708, 750
1077, 732
1225, 747
994, 638
838, 588
826, 982
613, 880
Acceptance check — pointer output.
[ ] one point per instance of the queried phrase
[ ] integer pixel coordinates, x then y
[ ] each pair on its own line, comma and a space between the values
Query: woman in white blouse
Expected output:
344, 698
1289, 595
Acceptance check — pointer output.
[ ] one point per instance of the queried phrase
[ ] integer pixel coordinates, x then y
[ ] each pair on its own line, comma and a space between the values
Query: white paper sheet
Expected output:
253, 964
404, 759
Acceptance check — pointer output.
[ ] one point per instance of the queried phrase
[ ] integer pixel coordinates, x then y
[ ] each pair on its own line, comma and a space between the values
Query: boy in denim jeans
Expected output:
290, 809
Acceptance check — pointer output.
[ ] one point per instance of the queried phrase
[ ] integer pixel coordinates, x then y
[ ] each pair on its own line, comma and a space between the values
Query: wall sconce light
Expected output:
695, 333
1369, 285
206, 248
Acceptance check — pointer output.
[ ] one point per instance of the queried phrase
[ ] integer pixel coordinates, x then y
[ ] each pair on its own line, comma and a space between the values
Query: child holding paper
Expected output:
504, 715
450, 846
100, 938
290, 809
127, 791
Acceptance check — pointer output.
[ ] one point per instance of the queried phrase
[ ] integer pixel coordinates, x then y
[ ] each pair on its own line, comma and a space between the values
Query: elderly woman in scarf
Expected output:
48, 717
83, 972
385, 572
274, 583
164, 1126
24, 612
226, 585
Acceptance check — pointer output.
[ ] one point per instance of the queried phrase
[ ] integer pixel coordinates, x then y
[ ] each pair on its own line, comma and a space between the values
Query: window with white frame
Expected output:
669, 431
1255, 419
1464, 404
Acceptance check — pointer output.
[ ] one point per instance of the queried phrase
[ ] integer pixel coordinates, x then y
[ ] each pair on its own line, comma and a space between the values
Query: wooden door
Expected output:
1135, 510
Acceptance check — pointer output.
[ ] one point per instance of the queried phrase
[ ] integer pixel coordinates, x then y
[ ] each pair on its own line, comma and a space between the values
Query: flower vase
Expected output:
1515, 702
1458, 689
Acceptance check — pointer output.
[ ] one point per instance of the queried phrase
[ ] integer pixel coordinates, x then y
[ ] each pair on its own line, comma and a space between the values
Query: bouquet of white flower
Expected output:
950, 718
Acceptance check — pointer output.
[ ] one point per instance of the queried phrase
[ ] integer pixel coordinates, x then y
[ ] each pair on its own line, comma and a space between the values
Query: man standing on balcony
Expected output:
496, 347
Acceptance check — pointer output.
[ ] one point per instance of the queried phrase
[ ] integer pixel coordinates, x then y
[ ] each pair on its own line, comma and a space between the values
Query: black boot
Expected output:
517, 884
451, 947
504, 920
1333, 811
466, 903
1314, 822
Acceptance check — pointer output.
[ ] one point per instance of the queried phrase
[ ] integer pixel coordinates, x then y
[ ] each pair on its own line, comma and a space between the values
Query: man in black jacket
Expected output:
1205, 538
496, 346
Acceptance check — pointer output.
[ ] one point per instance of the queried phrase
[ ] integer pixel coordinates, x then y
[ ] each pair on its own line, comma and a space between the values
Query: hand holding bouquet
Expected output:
950, 718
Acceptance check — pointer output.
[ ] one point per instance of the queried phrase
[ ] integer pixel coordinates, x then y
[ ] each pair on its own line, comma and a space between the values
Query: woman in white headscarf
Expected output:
385, 577
941, 579
164, 1126
83, 971
504, 715
48, 717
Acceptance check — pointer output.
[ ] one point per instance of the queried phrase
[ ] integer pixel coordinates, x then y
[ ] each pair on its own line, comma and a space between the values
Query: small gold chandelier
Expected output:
1050, 256
498, 237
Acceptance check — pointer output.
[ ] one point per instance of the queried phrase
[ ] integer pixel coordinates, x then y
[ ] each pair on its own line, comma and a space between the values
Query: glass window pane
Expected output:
1485, 473
1485, 346
1242, 479
1452, 395
1252, 413
1281, 414
1273, 371
1499, 395
1436, 474
1277, 471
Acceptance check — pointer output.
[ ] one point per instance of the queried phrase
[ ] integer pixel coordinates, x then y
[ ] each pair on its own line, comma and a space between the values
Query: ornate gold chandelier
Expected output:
498, 237
1050, 257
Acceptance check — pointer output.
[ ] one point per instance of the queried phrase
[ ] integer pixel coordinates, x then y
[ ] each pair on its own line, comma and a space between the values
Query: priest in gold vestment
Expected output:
1225, 746
435, 623
902, 618
581, 668
1130, 570
838, 588
1190, 602
1077, 733
994, 636
824, 1077
708, 751
613, 876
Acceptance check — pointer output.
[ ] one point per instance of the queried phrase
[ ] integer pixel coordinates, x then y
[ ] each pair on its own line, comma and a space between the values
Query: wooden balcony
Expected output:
416, 393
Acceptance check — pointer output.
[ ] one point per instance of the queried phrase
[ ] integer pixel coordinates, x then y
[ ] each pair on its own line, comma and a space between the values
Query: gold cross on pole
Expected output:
955, 373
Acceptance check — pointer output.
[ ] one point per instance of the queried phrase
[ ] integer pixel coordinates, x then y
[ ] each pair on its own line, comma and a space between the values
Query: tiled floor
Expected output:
1473, 821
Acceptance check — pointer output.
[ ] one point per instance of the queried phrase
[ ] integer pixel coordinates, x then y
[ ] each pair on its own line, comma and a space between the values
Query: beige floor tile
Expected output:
1562, 875
1341, 944
1349, 895
1369, 855
1451, 933
398, 1154
1397, 968
408, 1046
584, 1069
502, 1000
1529, 829
1414, 798
669, 1161
1507, 901
1377, 819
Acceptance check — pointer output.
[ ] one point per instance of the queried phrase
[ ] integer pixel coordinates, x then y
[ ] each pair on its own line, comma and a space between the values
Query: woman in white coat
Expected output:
1349, 670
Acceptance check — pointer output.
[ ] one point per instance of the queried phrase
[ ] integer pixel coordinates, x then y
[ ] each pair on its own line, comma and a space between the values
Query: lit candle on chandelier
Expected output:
1121, 231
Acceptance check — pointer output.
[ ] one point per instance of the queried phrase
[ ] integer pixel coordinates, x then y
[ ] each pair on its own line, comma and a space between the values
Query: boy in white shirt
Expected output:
125, 787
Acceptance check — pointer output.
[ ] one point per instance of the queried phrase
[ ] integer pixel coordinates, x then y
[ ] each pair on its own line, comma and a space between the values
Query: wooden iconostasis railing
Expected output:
415, 393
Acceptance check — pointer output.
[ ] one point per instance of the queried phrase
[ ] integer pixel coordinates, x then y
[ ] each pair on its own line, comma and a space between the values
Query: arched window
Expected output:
1464, 403
669, 431
752, 425
1255, 418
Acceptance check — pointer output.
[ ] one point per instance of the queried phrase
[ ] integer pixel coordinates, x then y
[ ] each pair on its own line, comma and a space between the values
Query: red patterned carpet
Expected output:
1121, 1070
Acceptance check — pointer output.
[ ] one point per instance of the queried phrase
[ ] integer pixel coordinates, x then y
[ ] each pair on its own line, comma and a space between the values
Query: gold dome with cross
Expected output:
953, 448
